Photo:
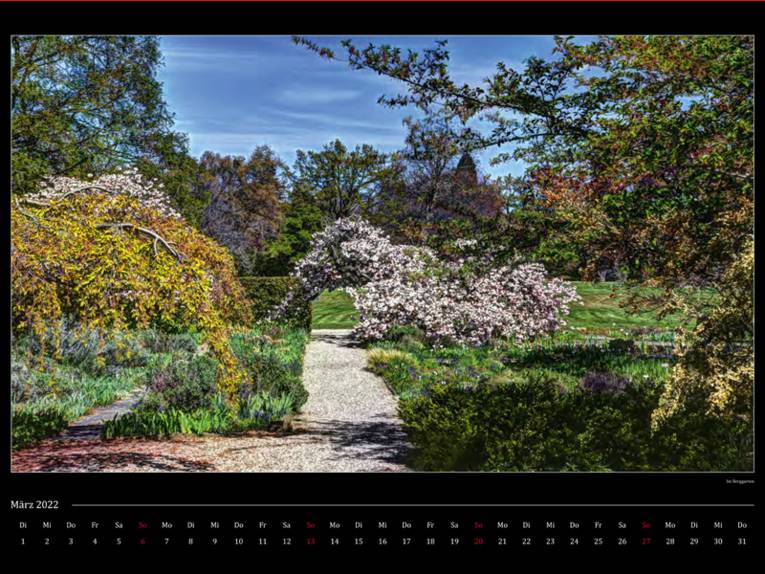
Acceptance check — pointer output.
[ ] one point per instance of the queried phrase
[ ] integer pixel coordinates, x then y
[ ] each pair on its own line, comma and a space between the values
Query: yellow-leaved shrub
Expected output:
716, 360
106, 260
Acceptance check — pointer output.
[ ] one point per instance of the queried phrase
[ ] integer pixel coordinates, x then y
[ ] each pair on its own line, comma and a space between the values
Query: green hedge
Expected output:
536, 425
267, 292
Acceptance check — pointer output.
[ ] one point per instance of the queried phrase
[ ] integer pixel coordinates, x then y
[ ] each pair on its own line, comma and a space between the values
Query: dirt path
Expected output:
349, 424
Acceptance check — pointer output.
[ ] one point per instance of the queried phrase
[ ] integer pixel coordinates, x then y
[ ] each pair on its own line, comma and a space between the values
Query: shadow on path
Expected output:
99, 456
338, 337
381, 440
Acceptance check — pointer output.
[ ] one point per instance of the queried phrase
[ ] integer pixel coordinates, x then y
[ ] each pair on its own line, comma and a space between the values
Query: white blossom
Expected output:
127, 182
401, 285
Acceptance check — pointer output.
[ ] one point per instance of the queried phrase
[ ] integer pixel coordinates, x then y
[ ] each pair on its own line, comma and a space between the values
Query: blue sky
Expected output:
233, 93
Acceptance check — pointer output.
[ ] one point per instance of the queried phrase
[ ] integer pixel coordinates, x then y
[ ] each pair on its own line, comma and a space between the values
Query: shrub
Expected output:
32, 424
258, 411
533, 423
716, 360
161, 342
115, 258
28, 384
121, 264
93, 350
604, 382
621, 346
266, 293
274, 366
182, 383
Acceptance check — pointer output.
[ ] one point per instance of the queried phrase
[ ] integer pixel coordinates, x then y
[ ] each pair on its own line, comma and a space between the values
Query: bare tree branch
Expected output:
153, 234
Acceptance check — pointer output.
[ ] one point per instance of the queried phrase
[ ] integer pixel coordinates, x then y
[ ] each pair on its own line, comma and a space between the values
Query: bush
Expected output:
161, 342
32, 424
110, 271
534, 424
716, 360
182, 383
467, 300
273, 361
28, 384
115, 258
604, 382
266, 293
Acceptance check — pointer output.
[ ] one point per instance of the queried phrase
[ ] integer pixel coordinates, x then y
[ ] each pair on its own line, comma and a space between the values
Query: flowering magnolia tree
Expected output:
351, 253
462, 301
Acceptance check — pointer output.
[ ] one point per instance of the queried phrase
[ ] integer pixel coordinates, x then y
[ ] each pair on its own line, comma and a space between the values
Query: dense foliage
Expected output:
341, 180
90, 104
93, 367
177, 373
639, 169
534, 424
183, 397
435, 192
641, 144
302, 219
717, 357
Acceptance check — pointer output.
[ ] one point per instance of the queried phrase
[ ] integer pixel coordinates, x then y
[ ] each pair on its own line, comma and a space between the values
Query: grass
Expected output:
601, 312
75, 393
334, 310
71, 395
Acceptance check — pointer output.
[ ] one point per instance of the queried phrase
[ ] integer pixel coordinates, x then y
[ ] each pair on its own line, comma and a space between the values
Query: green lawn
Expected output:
599, 313
334, 310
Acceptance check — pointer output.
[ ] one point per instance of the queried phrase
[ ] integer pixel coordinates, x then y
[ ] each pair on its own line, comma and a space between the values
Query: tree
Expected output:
245, 209
86, 104
341, 180
643, 146
716, 360
651, 135
302, 219
435, 193
182, 177
431, 149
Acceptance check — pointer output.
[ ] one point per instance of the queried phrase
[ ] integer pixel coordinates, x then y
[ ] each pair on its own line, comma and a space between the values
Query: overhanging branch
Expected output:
158, 239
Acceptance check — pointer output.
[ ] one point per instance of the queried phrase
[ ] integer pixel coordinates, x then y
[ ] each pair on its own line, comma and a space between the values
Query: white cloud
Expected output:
314, 95
338, 121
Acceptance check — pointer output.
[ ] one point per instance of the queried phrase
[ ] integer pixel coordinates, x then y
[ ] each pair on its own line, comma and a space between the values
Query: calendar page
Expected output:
371, 277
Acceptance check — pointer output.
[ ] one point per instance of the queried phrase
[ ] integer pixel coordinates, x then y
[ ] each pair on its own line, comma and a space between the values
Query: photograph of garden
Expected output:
382, 253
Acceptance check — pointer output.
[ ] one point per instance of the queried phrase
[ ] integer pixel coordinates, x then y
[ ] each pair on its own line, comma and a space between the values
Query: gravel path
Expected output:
349, 424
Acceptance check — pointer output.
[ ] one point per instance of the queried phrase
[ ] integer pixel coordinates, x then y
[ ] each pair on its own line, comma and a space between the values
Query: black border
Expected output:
340, 18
